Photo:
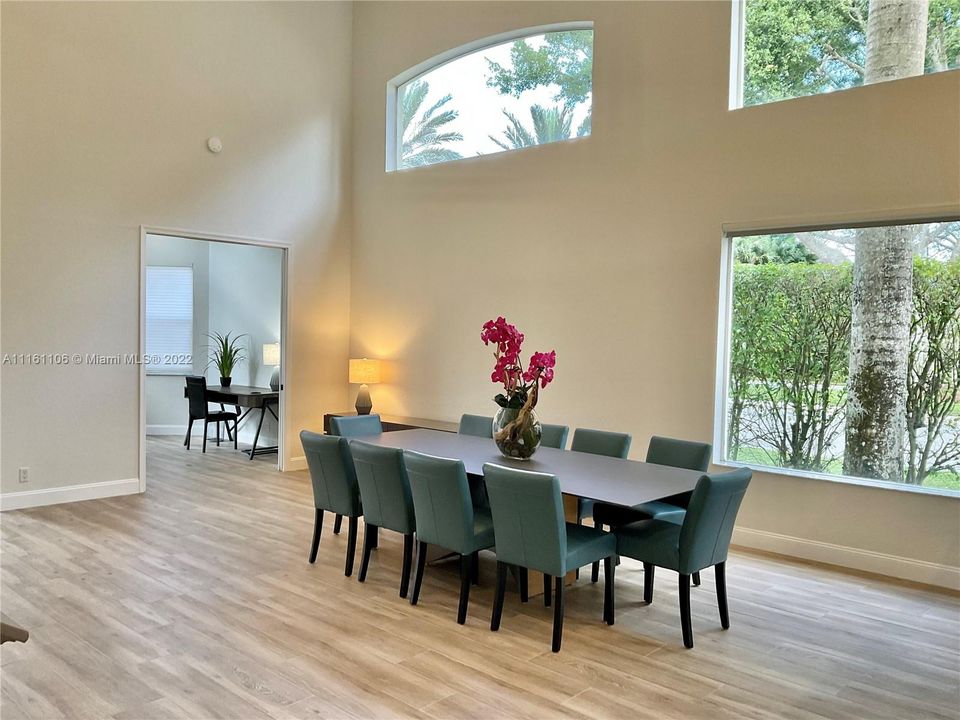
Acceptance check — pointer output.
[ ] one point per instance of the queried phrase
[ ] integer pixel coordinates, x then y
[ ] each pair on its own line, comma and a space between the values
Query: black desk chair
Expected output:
200, 410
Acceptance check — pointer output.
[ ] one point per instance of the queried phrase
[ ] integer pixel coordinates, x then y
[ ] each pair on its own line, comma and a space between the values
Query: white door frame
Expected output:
284, 340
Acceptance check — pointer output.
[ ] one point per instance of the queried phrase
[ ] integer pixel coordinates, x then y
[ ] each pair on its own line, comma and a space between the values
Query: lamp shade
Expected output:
364, 371
271, 354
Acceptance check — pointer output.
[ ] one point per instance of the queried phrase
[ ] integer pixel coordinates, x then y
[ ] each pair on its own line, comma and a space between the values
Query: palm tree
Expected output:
422, 138
549, 125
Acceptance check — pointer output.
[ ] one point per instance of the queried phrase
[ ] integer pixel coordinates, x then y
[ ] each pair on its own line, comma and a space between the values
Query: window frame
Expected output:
729, 233
175, 370
393, 85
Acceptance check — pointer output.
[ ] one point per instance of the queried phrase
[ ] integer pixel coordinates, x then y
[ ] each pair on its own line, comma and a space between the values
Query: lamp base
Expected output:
275, 379
363, 405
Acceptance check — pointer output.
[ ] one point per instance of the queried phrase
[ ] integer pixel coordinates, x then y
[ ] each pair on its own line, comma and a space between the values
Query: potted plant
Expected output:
226, 354
516, 429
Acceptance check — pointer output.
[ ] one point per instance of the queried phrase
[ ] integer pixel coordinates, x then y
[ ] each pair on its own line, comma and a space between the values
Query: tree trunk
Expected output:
883, 278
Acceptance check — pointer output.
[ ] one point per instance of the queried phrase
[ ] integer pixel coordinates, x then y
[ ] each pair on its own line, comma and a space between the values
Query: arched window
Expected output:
514, 90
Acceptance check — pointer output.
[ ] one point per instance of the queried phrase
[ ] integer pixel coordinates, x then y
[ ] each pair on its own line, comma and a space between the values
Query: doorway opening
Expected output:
212, 346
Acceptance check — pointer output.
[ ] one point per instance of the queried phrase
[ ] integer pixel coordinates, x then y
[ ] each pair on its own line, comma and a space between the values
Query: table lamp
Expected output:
365, 372
271, 356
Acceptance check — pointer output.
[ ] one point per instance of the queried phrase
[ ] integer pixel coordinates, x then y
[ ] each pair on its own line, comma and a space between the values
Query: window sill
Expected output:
842, 479
181, 372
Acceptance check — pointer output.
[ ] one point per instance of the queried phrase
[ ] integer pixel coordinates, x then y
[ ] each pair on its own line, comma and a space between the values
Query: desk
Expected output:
606, 479
251, 398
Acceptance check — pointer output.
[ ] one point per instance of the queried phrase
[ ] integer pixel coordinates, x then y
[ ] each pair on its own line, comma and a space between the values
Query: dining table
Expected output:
580, 475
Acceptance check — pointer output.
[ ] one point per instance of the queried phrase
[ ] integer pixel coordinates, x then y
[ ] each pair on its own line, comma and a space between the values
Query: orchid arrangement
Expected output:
520, 386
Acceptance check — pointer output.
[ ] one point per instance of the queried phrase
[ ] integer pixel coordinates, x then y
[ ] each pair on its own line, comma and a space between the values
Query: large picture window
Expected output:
790, 48
843, 353
532, 88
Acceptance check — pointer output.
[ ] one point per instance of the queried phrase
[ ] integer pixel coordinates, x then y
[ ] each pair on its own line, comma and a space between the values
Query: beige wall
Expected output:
620, 238
106, 112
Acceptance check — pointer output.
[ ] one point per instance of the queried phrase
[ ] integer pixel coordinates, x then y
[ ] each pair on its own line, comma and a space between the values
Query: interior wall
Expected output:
245, 298
106, 110
608, 248
166, 406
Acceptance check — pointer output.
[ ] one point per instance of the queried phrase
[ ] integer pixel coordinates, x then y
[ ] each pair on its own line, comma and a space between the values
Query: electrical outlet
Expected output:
24, 475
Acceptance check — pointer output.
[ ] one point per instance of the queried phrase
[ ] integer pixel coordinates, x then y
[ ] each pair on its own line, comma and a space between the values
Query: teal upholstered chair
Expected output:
598, 442
479, 425
661, 451
532, 533
387, 502
352, 426
554, 436
701, 540
335, 487
446, 517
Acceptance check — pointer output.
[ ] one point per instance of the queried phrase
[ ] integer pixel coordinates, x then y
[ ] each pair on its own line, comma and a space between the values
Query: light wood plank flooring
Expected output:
196, 601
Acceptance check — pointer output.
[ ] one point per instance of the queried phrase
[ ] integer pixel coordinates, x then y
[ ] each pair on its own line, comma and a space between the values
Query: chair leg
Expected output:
186, 440
557, 613
418, 578
696, 579
595, 572
317, 529
218, 433
498, 596
336, 524
369, 532
376, 539
205, 424
608, 588
648, 582
547, 580
721, 573
524, 593
236, 433
685, 623
465, 562
475, 568
351, 546
407, 562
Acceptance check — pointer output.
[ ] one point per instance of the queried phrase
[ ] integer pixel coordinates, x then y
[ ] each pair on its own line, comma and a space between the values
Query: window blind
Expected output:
169, 320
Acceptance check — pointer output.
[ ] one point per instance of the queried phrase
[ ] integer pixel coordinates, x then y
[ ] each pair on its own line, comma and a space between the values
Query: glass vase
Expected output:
517, 437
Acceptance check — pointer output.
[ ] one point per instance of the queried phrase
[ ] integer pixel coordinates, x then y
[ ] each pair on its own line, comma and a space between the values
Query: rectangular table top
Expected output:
246, 395
612, 480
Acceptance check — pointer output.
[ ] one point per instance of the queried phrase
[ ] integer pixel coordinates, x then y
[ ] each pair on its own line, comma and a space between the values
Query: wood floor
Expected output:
196, 601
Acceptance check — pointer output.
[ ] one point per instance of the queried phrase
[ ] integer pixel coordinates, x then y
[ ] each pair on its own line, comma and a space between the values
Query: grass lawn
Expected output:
757, 456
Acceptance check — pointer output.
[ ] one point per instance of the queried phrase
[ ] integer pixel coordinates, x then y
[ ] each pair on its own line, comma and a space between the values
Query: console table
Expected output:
392, 423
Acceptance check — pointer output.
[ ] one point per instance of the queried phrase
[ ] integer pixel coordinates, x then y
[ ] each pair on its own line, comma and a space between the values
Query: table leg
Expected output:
253, 448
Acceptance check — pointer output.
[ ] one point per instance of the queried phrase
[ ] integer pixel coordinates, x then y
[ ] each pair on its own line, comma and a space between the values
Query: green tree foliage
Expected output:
933, 384
781, 248
423, 138
565, 59
549, 125
804, 47
792, 359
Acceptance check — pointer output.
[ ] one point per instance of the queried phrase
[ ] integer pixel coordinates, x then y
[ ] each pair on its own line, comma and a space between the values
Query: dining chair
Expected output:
598, 442
532, 533
684, 454
478, 425
554, 436
335, 487
199, 409
445, 516
702, 539
353, 426
387, 502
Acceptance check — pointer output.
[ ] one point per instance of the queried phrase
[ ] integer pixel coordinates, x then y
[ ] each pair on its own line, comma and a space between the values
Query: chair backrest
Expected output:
479, 425
332, 473
708, 524
384, 487
356, 426
197, 396
601, 442
554, 436
528, 519
441, 500
679, 453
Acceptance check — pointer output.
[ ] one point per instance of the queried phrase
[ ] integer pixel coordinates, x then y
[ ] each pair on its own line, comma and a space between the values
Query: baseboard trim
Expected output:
920, 571
297, 463
74, 493
174, 429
